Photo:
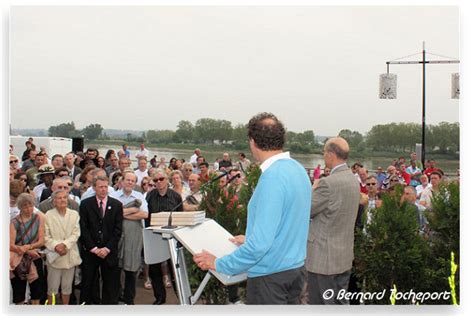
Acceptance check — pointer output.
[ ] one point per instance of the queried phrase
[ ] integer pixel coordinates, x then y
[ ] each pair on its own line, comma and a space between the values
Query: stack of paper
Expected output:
178, 218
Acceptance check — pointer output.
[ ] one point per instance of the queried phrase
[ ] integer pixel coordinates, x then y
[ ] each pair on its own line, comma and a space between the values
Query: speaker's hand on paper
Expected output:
205, 260
238, 240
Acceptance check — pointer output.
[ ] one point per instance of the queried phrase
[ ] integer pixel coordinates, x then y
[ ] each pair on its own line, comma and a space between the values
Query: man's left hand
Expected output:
205, 260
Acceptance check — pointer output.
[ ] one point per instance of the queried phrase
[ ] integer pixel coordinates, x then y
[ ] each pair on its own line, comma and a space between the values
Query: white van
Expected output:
53, 145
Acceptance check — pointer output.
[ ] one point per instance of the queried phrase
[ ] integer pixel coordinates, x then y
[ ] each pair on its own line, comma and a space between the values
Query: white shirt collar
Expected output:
338, 166
269, 161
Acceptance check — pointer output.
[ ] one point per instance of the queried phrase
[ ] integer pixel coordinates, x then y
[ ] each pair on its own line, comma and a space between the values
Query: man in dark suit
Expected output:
69, 159
101, 229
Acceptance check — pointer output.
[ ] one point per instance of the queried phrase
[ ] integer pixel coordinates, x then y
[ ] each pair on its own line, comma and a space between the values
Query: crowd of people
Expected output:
418, 186
77, 219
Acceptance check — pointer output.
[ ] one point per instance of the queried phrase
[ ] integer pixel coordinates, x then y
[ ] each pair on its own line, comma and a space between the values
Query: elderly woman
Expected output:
176, 179
26, 237
62, 231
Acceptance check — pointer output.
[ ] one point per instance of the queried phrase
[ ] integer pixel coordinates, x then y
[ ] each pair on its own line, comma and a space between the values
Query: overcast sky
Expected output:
141, 68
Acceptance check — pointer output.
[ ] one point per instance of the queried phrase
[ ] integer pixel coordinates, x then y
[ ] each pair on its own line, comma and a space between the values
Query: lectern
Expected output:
161, 244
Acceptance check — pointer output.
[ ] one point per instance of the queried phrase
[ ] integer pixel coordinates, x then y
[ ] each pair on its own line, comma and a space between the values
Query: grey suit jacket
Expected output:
47, 205
333, 214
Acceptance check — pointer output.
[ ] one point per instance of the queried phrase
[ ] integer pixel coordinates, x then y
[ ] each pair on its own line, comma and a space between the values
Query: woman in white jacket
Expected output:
62, 231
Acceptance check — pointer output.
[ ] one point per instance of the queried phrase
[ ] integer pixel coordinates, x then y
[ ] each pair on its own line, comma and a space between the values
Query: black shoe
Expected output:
159, 302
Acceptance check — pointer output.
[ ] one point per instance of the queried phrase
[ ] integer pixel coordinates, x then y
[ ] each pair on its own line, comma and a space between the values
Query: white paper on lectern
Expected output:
212, 237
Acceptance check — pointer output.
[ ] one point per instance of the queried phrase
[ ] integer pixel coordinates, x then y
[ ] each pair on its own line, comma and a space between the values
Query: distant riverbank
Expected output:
212, 152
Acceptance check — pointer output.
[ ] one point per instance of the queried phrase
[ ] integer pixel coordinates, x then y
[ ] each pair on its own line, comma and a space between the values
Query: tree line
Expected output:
442, 138
68, 130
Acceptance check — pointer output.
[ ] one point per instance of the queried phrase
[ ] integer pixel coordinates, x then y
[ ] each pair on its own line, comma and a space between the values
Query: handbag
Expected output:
23, 268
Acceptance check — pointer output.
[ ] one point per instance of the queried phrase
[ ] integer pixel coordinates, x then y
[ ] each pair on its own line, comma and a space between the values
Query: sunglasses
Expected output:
394, 180
13, 161
23, 179
188, 169
371, 184
69, 184
160, 179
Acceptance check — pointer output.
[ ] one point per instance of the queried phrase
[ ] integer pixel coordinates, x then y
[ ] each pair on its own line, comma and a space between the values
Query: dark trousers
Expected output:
129, 287
233, 292
159, 291
280, 288
37, 287
110, 280
324, 289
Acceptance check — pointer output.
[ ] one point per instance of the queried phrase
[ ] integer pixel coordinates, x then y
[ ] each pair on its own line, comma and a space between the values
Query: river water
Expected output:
307, 160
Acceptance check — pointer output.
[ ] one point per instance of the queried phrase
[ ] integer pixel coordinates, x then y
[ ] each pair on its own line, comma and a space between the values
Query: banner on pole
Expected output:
455, 85
388, 86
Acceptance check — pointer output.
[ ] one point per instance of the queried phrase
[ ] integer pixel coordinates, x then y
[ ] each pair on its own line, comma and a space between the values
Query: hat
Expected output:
45, 169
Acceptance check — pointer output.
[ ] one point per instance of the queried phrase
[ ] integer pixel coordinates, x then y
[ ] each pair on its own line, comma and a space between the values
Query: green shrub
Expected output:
230, 214
390, 250
444, 237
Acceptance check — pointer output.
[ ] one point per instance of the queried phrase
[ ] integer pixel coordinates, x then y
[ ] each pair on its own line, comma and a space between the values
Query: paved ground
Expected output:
145, 296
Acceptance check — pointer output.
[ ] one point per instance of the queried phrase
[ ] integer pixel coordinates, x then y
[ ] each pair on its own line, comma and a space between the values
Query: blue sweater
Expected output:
277, 223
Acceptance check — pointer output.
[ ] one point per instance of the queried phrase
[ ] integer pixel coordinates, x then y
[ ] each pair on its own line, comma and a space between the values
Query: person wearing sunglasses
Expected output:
160, 199
147, 185
14, 163
373, 199
391, 174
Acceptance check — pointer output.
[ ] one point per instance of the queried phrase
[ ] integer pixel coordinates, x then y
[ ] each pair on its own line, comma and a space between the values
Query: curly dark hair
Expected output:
267, 131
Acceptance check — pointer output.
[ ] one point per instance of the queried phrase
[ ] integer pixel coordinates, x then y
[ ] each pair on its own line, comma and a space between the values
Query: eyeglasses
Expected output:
13, 161
160, 179
371, 184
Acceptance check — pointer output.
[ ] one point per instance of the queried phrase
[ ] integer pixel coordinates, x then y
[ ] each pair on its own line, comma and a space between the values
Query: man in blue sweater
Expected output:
273, 249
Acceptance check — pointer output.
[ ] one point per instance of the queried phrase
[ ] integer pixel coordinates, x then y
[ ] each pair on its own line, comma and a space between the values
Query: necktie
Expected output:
101, 206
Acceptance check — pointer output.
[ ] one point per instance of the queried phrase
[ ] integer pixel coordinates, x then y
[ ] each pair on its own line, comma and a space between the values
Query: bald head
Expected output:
194, 182
194, 176
336, 152
339, 147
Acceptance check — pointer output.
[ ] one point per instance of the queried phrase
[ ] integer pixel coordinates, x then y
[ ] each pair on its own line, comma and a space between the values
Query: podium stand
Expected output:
161, 244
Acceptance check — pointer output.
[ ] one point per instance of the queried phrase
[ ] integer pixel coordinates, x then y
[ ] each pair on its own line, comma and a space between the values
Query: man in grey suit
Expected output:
331, 236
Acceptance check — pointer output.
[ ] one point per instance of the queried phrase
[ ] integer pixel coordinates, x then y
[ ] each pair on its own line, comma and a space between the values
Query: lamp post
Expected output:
389, 93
